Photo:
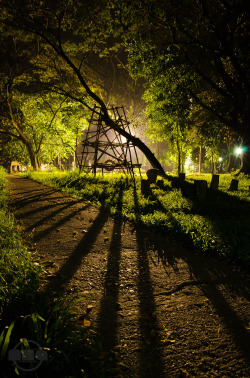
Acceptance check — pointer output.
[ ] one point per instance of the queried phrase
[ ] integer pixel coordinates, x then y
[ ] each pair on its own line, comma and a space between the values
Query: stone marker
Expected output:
234, 185
200, 189
179, 182
215, 182
187, 189
181, 177
160, 184
145, 188
152, 175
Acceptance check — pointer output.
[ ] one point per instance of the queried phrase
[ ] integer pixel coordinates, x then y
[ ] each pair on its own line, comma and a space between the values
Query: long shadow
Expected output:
107, 318
230, 319
229, 218
74, 261
171, 259
229, 215
56, 225
53, 214
39, 197
30, 197
151, 362
32, 212
208, 278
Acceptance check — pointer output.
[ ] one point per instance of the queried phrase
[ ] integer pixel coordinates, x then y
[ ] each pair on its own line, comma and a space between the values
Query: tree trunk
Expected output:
23, 137
245, 156
136, 141
183, 159
230, 164
245, 165
33, 156
200, 159
179, 156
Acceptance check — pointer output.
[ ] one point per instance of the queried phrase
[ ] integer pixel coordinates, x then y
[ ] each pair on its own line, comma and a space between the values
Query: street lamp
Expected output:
238, 151
220, 166
239, 154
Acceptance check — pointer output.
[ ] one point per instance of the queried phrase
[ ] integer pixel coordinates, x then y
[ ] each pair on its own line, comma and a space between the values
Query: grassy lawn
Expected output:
219, 225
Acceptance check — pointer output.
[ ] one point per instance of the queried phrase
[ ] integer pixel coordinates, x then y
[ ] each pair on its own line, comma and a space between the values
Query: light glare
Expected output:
238, 151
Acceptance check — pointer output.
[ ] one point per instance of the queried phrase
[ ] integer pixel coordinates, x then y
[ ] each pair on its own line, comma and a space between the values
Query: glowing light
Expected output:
220, 159
238, 151
188, 161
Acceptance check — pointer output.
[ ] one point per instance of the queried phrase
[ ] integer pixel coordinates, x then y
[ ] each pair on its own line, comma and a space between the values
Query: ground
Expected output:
167, 311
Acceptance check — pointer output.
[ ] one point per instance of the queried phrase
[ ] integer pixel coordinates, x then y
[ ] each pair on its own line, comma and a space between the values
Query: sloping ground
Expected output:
165, 310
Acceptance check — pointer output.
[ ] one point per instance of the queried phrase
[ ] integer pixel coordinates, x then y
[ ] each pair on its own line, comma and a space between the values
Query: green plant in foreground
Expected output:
18, 275
70, 347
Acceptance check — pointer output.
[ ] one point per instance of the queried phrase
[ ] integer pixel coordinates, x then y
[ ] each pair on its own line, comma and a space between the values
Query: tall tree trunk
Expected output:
230, 163
33, 156
245, 163
179, 156
23, 137
183, 159
200, 159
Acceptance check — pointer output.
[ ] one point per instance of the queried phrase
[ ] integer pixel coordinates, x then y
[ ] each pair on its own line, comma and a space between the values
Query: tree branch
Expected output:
10, 133
211, 110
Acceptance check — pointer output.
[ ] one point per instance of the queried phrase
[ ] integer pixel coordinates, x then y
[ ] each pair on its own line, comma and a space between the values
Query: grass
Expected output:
18, 275
219, 225
72, 348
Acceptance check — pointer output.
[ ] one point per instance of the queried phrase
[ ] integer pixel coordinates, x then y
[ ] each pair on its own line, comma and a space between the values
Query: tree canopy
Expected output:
192, 56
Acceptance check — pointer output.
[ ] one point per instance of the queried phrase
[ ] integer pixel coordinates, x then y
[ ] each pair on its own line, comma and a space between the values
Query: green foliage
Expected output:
219, 225
73, 348
189, 80
18, 275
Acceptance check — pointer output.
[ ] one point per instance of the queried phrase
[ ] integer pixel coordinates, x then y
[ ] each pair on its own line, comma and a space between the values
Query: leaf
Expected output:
86, 323
7, 339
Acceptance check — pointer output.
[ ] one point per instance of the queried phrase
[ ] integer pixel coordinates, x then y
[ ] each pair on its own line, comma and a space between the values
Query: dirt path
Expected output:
167, 311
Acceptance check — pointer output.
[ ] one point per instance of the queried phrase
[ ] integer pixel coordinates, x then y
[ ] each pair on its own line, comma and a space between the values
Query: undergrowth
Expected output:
18, 275
66, 346
219, 225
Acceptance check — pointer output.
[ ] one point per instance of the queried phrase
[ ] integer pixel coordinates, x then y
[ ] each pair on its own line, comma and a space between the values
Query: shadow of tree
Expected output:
228, 216
74, 261
214, 279
149, 327
109, 306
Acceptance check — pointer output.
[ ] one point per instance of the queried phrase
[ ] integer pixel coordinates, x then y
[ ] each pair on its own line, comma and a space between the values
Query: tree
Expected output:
69, 32
37, 119
202, 47
163, 126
